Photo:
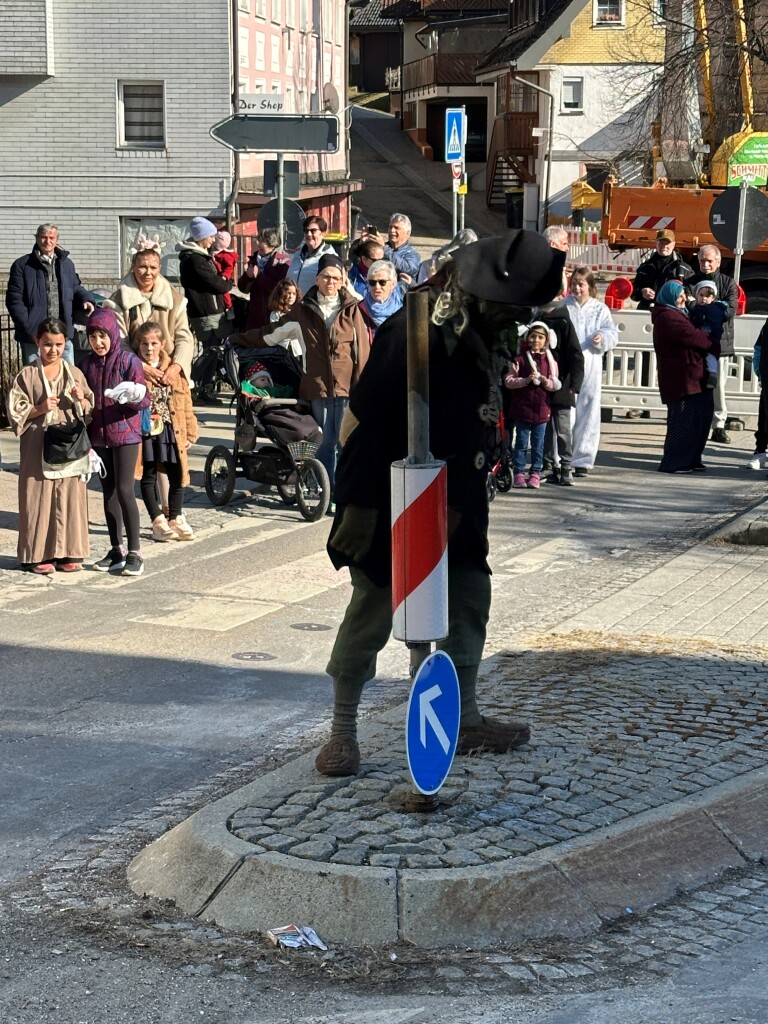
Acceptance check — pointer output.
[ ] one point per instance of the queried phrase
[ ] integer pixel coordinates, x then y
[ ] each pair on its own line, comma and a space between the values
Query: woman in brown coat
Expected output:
337, 343
173, 428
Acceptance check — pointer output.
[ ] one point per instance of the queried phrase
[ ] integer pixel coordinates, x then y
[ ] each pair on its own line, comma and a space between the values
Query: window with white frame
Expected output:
259, 87
277, 88
302, 60
243, 86
289, 107
288, 52
244, 5
141, 115
290, 13
277, 12
328, 20
275, 45
305, 17
260, 10
243, 43
260, 65
573, 94
609, 12
659, 12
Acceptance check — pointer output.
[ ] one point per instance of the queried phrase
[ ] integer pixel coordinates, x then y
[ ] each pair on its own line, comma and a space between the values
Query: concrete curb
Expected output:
751, 528
566, 891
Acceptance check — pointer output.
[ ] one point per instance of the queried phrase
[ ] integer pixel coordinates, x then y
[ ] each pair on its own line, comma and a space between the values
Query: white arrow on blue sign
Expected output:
455, 134
432, 722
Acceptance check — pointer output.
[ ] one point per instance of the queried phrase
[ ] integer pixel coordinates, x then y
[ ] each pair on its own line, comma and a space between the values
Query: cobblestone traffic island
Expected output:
645, 776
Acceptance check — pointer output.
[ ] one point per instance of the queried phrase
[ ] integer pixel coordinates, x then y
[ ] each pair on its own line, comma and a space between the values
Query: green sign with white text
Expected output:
750, 161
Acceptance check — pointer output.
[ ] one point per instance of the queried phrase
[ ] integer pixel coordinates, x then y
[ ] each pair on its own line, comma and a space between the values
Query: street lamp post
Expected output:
550, 133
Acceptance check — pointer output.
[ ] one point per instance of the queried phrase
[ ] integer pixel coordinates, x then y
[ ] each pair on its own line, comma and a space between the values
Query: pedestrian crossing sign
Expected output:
455, 134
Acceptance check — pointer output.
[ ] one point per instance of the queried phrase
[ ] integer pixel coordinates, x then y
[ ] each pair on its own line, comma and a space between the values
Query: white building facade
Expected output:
105, 123
105, 114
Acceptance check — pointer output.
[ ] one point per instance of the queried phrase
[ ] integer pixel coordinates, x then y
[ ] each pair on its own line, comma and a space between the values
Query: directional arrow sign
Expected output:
278, 133
432, 722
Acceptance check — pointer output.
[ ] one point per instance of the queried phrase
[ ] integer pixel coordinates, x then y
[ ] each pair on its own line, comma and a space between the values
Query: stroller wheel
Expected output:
287, 489
490, 486
313, 489
504, 479
220, 475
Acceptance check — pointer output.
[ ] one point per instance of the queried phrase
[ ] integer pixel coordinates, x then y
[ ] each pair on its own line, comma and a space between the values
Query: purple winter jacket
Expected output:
113, 425
529, 403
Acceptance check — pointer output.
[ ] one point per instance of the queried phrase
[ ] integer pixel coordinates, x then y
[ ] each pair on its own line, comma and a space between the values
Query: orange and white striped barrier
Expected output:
419, 551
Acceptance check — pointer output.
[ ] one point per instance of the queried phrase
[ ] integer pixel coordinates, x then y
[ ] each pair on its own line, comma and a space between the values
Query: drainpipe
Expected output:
232, 198
550, 133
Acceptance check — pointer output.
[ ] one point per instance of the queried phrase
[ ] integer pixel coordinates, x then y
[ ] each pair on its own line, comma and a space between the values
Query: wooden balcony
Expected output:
440, 69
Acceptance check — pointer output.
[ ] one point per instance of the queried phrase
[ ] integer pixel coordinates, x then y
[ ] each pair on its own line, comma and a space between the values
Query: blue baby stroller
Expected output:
276, 440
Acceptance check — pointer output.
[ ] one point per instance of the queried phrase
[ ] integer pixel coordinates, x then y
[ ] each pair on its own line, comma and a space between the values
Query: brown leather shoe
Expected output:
493, 735
340, 756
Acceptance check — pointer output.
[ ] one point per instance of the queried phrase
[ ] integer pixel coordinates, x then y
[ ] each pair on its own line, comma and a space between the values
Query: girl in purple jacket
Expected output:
532, 378
115, 433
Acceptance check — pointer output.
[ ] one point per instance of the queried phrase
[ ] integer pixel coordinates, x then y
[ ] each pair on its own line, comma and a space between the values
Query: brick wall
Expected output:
61, 161
26, 37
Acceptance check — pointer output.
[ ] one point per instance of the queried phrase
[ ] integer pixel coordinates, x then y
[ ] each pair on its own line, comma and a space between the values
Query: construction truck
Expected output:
705, 140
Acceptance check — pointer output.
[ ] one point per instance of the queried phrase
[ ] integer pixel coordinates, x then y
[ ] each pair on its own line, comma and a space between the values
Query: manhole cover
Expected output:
310, 627
253, 656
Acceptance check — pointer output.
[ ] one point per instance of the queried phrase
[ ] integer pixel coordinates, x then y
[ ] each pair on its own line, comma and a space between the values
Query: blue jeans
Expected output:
29, 352
329, 412
525, 434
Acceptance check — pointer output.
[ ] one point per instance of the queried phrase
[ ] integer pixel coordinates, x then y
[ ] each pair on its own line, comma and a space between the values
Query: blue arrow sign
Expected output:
455, 134
432, 722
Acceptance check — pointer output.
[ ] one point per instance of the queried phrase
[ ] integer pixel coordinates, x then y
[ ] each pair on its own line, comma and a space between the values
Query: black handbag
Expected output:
65, 442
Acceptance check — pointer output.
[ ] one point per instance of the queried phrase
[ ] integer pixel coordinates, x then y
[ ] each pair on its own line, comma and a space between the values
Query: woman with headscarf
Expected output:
681, 349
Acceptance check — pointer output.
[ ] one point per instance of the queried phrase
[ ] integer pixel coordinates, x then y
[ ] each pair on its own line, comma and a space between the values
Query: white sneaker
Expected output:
161, 531
181, 528
759, 460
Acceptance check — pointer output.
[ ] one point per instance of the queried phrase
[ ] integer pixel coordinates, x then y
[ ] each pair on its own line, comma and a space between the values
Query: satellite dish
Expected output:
331, 98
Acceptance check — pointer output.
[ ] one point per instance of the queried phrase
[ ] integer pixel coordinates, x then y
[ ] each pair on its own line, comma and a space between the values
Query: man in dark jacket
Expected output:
45, 284
204, 289
727, 291
662, 266
570, 364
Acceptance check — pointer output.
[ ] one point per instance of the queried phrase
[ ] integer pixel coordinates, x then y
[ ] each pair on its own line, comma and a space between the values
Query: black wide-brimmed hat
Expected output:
519, 268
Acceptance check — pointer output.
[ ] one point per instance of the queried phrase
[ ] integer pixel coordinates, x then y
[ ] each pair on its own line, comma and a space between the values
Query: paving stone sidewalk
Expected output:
646, 776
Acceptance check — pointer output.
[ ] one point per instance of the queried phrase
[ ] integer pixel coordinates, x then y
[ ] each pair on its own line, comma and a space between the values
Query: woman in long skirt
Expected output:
53, 514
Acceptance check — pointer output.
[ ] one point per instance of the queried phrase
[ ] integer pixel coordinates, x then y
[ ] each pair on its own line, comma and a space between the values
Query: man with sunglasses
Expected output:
304, 265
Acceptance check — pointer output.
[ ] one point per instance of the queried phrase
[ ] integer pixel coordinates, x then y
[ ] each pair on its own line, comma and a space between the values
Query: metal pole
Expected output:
417, 319
455, 213
281, 198
738, 250
547, 177
462, 197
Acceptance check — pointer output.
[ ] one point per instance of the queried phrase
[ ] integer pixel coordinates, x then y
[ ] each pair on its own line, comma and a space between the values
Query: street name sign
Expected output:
278, 133
432, 722
724, 218
455, 134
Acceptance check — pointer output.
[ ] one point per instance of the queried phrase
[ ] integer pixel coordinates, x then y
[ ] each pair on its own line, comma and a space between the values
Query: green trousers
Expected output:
367, 625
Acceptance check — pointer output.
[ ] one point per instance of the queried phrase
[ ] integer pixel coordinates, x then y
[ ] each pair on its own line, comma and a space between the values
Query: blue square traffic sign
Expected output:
455, 134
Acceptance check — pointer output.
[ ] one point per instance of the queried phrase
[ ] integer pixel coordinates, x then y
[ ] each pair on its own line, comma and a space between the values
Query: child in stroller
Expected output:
266, 383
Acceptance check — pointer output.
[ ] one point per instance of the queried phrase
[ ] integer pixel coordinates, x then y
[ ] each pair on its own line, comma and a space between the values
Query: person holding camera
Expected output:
267, 266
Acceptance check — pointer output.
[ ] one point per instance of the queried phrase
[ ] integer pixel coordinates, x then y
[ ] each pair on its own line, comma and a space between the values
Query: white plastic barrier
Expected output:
586, 250
622, 377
